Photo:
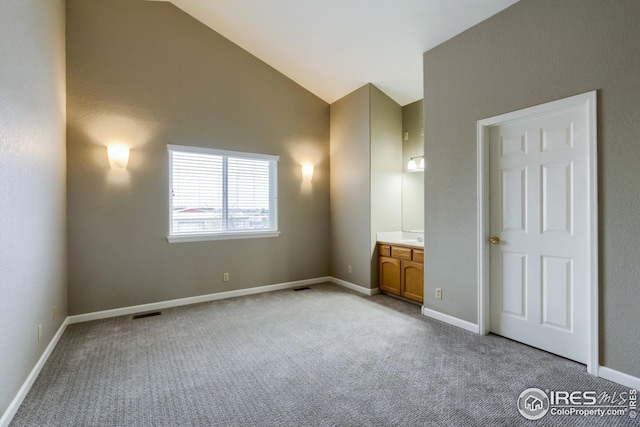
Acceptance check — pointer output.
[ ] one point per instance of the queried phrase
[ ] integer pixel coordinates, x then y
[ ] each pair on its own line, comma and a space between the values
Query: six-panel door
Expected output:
539, 215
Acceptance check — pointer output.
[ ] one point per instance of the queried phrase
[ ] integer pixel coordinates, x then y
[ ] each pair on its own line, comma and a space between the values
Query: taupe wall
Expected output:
386, 170
32, 185
534, 52
350, 186
147, 74
366, 155
412, 182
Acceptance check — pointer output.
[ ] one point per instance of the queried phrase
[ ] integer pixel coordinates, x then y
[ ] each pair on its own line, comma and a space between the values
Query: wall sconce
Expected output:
118, 156
412, 166
307, 172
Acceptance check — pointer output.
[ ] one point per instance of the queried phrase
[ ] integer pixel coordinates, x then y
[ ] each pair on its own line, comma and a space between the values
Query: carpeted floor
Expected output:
318, 357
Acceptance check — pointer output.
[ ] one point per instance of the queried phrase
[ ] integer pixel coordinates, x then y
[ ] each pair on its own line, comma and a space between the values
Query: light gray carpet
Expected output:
319, 357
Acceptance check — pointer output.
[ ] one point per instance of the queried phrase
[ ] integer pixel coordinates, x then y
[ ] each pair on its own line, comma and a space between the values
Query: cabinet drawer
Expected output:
384, 250
418, 255
399, 252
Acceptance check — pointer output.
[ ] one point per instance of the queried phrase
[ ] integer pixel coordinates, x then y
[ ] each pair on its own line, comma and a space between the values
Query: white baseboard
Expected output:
124, 311
619, 377
26, 386
472, 327
354, 287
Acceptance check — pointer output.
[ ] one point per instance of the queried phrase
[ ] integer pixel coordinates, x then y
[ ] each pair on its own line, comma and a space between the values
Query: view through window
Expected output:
221, 194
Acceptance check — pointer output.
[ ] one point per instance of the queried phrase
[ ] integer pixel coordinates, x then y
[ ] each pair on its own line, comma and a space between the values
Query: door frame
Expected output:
587, 100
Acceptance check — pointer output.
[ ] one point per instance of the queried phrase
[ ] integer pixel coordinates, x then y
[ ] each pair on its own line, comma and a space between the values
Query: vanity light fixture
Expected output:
412, 166
307, 172
118, 156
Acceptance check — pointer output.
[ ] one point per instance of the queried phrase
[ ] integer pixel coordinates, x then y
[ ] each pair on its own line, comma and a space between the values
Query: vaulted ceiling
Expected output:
332, 47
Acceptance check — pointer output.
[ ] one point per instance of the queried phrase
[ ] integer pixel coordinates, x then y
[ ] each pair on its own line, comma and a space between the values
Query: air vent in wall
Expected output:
143, 315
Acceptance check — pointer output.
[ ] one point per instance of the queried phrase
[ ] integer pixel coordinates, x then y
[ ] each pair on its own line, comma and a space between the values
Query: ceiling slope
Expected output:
332, 47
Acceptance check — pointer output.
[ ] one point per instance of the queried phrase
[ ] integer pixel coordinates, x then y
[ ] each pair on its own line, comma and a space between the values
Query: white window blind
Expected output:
218, 194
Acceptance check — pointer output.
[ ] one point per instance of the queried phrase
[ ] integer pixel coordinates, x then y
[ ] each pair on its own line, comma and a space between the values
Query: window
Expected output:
216, 194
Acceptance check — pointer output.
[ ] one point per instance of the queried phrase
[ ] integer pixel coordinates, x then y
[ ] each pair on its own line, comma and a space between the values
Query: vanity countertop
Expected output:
415, 240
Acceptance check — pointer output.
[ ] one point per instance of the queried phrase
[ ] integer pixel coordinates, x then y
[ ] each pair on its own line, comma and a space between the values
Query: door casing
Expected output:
588, 101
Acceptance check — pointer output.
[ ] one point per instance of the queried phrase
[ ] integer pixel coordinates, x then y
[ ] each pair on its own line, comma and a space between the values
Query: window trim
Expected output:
241, 234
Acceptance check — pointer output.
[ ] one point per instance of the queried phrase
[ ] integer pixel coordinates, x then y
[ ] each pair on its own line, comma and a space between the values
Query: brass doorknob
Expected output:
495, 240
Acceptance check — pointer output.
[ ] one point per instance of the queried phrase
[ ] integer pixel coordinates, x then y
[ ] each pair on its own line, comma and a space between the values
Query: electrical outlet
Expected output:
225, 277
349, 269
438, 293
55, 312
39, 332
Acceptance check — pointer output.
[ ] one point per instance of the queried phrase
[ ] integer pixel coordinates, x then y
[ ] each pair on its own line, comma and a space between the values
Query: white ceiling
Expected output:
332, 47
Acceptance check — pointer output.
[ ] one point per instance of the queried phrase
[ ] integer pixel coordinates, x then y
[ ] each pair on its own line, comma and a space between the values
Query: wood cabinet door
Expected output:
412, 280
390, 275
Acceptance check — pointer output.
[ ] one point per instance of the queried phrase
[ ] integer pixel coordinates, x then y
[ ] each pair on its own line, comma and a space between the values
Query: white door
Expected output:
539, 214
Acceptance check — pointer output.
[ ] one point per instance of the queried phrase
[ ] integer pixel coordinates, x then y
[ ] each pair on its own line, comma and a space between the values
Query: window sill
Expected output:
222, 236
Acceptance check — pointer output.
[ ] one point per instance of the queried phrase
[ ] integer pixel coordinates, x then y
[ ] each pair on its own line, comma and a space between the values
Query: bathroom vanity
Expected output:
401, 267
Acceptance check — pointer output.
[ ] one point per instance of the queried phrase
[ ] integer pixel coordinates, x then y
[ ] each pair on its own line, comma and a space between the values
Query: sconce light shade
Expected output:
307, 172
118, 156
412, 166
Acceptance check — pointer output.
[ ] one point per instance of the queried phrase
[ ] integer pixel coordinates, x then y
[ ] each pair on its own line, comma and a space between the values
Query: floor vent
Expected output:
301, 289
143, 315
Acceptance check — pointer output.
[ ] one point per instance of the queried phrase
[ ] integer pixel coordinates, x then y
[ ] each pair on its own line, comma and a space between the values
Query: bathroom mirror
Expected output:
412, 181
